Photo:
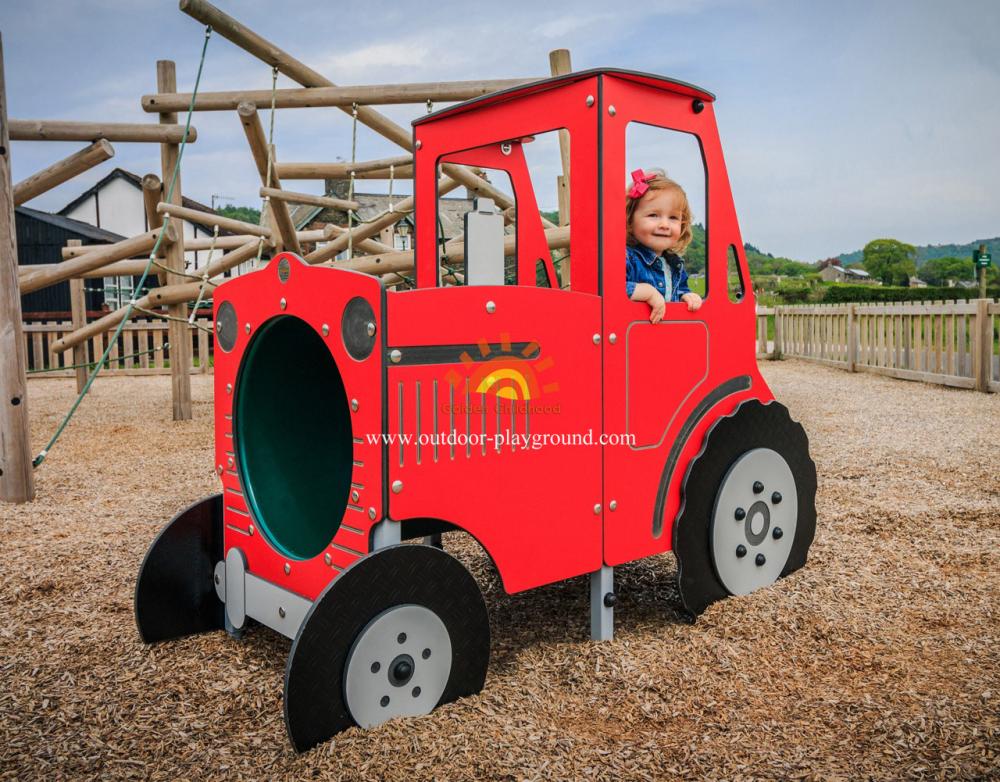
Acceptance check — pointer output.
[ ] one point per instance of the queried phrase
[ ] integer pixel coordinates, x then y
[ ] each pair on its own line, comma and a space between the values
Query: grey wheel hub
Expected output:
753, 522
398, 666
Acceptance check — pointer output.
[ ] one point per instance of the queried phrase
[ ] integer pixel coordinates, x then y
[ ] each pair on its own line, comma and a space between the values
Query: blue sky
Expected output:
842, 122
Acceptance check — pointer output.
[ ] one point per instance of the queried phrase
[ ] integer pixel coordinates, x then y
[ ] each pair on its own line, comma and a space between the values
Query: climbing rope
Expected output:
91, 364
204, 276
350, 186
162, 316
270, 161
142, 280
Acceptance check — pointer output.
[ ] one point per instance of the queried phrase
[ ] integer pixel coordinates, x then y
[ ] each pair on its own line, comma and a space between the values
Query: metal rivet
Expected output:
251, 530
288, 569
491, 307
612, 338
371, 514
590, 101
229, 461
610, 599
613, 505
611, 110
327, 559
760, 560
376, 667
740, 514
506, 148
281, 612
326, 330
426, 653
282, 303
370, 328
419, 144
397, 487
385, 698
229, 388
776, 497
697, 106
741, 551
219, 468
758, 487
354, 405
597, 508
401, 638
776, 533
355, 496
395, 355
597, 339
416, 692
246, 328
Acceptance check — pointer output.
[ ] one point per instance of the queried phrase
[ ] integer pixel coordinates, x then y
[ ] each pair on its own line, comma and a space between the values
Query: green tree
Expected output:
937, 271
891, 261
245, 213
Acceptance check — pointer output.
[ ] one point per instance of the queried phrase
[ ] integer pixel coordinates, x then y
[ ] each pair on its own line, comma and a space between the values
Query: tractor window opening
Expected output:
665, 219
736, 284
513, 230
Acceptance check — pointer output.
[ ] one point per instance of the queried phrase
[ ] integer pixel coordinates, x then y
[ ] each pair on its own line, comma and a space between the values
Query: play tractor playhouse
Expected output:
349, 419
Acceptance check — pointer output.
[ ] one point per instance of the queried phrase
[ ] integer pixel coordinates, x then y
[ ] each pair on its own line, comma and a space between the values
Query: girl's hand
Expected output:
693, 300
658, 305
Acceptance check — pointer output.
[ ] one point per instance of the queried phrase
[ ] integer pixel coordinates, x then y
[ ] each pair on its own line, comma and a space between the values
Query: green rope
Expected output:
270, 161
142, 280
91, 364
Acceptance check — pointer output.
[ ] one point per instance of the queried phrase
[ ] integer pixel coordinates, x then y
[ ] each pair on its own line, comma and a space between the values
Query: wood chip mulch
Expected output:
880, 659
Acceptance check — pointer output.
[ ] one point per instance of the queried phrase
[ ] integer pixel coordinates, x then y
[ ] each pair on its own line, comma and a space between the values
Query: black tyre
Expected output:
748, 506
397, 634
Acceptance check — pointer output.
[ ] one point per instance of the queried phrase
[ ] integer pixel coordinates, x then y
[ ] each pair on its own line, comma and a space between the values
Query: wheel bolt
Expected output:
401, 638
776, 497
758, 487
426, 653
740, 514
384, 701
375, 667
741, 551
760, 560
416, 692
776, 533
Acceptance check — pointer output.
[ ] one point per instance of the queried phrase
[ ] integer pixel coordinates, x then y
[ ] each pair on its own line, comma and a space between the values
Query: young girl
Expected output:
658, 226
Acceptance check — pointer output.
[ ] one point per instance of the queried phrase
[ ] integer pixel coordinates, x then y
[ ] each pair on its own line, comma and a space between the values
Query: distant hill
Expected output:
927, 251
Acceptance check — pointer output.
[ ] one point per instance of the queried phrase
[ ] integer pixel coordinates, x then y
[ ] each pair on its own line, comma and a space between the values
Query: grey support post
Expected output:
385, 533
602, 602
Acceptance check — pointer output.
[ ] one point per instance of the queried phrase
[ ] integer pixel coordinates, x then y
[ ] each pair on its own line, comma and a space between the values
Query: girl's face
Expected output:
658, 220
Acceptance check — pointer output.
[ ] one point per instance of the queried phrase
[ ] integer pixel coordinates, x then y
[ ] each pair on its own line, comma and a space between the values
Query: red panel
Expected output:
632, 475
532, 509
564, 107
317, 295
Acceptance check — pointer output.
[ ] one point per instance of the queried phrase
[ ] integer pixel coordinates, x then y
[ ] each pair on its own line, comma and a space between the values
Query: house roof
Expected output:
69, 224
133, 179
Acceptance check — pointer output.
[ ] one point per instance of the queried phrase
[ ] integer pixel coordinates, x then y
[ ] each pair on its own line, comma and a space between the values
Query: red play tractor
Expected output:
349, 418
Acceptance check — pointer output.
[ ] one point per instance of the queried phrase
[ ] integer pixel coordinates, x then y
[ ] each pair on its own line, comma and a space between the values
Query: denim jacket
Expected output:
643, 265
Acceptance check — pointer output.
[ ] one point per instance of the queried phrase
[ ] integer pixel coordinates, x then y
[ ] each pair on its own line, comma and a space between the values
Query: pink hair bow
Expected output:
639, 183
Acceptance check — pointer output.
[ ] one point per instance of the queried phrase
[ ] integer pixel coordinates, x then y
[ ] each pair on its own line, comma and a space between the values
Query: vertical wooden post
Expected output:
778, 348
180, 341
559, 62
17, 481
982, 358
78, 306
852, 340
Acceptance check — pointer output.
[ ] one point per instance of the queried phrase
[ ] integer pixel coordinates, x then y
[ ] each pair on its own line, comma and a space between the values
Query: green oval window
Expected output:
293, 437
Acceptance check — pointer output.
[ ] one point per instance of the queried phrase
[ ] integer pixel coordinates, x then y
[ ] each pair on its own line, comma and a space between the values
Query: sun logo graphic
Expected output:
506, 370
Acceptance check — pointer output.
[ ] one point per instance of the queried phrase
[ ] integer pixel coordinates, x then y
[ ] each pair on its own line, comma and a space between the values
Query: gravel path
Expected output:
880, 659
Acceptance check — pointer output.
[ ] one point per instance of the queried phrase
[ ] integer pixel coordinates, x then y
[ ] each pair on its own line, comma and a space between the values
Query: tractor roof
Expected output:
660, 82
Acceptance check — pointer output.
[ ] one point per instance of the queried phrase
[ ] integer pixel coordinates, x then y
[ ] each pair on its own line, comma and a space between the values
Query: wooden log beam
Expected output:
259, 47
367, 230
307, 198
168, 295
62, 171
343, 170
254, 132
152, 191
364, 245
35, 279
177, 330
78, 310
211, 219
312, 97
17, 480
67, 130
201, 243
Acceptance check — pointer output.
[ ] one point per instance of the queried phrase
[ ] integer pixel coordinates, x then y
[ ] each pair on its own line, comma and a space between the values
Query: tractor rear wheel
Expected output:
397, 634
748, 510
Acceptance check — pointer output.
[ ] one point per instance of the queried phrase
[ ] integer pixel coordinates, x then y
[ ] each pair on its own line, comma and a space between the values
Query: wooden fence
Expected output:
946, 342
141, 349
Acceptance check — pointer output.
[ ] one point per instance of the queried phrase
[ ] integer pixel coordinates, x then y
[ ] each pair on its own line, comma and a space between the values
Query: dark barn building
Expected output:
40, 238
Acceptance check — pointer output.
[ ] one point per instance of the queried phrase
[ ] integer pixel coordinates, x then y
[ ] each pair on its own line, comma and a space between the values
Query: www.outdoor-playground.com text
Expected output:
501, 440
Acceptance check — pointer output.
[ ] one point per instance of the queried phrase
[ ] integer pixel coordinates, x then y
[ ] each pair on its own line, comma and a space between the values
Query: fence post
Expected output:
852, 339
776, 355
78, 308
982, 358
